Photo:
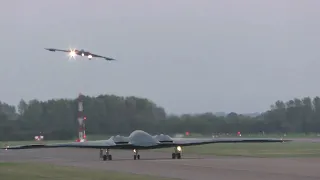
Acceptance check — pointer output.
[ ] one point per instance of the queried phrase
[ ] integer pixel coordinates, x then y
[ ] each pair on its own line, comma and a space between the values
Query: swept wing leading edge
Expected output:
109, 144
106, 58
53, 49
88, 144
192, 142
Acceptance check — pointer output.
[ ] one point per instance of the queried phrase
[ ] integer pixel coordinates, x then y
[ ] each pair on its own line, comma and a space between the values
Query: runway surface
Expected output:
191, 167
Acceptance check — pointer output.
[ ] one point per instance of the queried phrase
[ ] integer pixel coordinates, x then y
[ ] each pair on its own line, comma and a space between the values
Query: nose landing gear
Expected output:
136, 154
177, 153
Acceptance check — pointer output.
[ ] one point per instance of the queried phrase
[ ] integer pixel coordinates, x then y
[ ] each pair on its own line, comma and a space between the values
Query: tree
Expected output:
22, 107
110, 114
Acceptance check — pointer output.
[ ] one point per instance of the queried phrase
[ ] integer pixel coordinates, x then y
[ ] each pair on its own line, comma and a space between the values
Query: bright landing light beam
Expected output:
72, 54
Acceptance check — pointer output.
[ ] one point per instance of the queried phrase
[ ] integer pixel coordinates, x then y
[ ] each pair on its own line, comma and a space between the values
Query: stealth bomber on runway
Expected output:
141, 140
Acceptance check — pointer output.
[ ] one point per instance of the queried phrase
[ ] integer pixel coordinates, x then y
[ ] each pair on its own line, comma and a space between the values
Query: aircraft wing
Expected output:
52, 49
195, 141
109, 144
98, 56
101, 144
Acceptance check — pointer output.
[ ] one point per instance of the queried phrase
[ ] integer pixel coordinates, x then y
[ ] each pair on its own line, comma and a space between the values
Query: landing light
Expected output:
89, 56
134, 151
179, 148
72, 54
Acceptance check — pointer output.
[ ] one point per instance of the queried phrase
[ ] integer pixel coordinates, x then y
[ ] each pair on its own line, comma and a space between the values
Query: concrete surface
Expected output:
191, 167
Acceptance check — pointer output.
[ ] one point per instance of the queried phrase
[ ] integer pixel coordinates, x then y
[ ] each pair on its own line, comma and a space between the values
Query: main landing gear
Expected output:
105, 154
136, 154
177, 153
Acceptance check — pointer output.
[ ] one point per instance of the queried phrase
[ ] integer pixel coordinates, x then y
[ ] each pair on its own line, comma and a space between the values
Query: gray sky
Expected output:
187, 56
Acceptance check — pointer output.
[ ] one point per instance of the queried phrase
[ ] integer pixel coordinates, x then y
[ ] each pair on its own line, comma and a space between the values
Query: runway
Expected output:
191, 167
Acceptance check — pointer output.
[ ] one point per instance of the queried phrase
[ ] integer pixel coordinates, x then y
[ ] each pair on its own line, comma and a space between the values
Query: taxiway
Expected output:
191, 167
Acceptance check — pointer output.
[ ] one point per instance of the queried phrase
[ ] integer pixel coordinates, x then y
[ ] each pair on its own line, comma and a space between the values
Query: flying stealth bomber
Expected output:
141, 140
74, 52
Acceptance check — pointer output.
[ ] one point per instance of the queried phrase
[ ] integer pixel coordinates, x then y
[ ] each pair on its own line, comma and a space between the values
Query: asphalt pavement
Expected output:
190, 167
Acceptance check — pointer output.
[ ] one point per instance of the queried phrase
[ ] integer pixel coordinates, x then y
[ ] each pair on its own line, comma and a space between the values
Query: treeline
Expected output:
109, 114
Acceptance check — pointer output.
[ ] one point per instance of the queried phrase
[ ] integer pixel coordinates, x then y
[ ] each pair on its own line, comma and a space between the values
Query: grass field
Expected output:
34, 171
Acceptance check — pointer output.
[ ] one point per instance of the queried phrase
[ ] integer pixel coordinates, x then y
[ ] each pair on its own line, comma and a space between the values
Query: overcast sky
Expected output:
188, 56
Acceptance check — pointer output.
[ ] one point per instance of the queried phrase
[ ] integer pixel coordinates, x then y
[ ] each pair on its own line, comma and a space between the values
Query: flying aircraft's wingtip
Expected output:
110, 59
49, 49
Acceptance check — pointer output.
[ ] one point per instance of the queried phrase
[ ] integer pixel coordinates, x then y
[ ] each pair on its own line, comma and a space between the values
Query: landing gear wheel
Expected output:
104, 157
178, 155
136, 156
173, 155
